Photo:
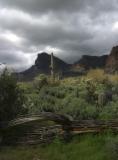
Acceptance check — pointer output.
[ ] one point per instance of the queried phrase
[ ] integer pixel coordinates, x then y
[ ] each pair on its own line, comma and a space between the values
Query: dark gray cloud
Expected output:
43, 6
70, 28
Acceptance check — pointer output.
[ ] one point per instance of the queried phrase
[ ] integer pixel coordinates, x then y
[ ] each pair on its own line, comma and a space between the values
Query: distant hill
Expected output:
89, 62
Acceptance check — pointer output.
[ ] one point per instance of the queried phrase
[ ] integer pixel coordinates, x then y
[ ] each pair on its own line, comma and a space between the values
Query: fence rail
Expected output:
19, 131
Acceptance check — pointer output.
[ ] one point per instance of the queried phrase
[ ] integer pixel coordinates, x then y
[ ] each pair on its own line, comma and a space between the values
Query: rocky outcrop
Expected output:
43, 62
112, 61
42, 66
89, 62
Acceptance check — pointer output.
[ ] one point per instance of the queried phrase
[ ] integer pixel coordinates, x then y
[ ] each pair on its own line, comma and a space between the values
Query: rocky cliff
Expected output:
42, 66
112, 61
89, 62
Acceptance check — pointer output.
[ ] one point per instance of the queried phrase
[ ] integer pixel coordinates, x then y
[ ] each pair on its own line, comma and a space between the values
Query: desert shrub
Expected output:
80, 97
100, 76
32, 103
91, 88
78, 108
97, 75
27, 87
110, 111
40, 81
57, 92
114, 78
70, 81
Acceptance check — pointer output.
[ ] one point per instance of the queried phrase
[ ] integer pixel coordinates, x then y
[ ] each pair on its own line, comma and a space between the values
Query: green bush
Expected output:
12, 98
40, 81
81, 97
110, 111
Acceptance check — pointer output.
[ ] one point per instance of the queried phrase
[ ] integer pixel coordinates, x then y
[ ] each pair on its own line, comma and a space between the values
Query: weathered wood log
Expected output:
58, 118
86, 126
29, 130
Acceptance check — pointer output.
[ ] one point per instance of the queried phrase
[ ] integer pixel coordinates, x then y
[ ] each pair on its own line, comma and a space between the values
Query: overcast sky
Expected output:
69, 28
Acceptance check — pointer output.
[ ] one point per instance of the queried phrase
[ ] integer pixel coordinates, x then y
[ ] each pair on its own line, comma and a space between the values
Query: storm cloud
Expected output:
69, 28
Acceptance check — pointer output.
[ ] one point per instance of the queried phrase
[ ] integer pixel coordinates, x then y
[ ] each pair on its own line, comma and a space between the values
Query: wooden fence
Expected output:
36, 129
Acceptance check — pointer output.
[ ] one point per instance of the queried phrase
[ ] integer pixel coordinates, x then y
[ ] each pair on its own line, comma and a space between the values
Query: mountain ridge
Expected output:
92, 61
86, 62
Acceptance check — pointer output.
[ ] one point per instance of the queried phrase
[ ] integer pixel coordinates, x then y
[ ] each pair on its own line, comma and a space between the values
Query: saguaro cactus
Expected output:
52, 66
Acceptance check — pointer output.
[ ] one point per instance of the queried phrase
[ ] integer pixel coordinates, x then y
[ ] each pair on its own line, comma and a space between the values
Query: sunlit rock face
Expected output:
112, 61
